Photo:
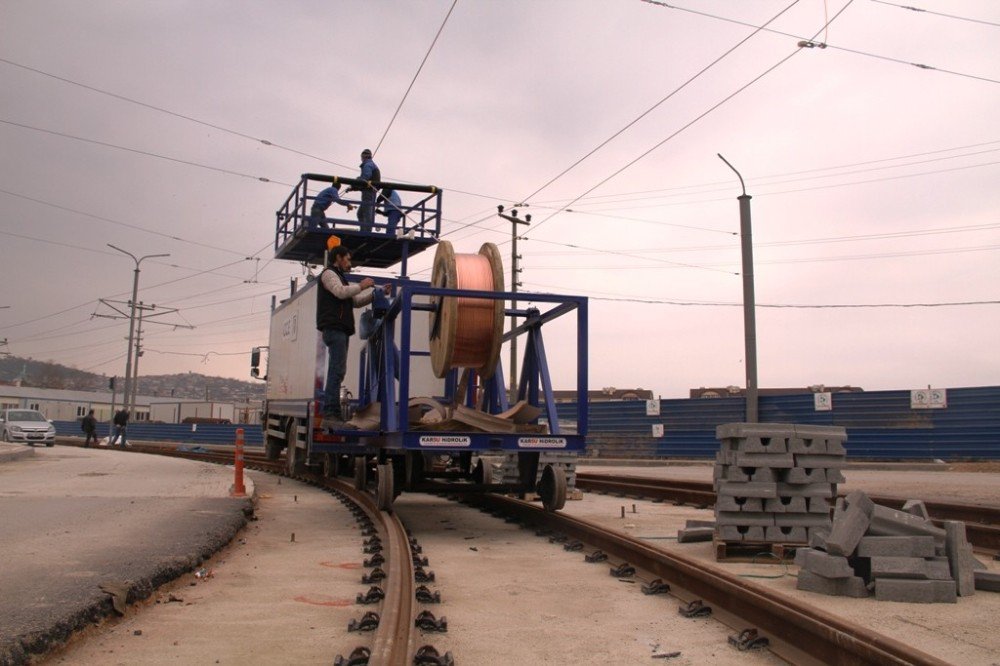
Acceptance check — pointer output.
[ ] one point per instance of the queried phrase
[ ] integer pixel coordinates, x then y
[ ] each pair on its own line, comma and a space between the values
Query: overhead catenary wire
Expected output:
417, 74
809, 43
662, 100
175, 114
146, 153
696, 119
928, 11
119, 223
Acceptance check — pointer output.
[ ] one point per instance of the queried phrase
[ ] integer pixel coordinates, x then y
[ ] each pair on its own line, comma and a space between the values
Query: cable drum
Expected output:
466, 332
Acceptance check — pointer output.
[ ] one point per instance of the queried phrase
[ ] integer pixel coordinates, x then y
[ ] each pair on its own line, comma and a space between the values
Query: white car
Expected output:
27, 426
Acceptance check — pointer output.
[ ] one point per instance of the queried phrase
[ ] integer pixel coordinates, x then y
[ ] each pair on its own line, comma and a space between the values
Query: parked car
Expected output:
26, 425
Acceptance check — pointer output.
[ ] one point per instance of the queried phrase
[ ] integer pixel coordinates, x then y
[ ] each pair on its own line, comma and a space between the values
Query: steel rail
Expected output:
982, 522
807, 629
393, 642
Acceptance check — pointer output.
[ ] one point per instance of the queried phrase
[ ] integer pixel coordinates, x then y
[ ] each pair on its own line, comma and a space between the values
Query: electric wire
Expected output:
170, 113
809, 43
697, 118
659, 103
146, 153
119, 222
414, 79
928, 11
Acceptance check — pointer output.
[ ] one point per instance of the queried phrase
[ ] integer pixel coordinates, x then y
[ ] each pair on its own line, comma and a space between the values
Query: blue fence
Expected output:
880, 424
174, 432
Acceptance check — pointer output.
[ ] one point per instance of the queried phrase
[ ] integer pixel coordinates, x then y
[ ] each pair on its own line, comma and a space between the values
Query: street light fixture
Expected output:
129, 406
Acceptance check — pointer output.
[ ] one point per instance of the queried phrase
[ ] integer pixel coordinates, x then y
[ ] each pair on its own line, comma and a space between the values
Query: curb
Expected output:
26, 648
12, 454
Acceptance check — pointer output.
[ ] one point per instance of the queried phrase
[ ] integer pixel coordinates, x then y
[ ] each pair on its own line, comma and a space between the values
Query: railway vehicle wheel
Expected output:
272, 447
552, 488
360, 473
331, 462
385, 492
484, 472
295, 456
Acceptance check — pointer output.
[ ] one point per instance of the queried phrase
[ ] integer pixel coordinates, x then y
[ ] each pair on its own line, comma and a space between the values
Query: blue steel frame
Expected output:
292, 219
381, 363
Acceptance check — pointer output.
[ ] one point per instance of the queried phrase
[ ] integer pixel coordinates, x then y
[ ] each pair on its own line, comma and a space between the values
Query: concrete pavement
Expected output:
75, 519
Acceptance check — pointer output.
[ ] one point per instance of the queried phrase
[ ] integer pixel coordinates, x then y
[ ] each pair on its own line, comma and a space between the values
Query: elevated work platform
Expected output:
300, 236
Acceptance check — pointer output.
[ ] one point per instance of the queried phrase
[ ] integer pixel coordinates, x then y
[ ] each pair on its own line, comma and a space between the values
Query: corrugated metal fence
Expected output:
880, 424
205, 433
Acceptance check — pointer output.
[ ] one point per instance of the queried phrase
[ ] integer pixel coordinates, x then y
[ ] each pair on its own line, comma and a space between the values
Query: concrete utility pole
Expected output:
749, 302
131, 326
515, 271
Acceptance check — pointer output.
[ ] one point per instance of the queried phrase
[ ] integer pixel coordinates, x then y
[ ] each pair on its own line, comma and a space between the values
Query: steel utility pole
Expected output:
131, 325
749, 302
515, 270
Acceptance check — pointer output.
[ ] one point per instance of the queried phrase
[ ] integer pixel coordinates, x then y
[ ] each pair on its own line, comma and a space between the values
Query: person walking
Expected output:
121, 424
89, 425
336, 299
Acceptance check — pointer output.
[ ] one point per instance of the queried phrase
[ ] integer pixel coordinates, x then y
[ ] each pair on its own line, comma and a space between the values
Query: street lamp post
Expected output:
749, 301
131, 323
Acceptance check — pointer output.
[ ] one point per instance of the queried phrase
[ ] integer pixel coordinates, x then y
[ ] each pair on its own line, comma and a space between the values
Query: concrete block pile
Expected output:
895, 555
774, 481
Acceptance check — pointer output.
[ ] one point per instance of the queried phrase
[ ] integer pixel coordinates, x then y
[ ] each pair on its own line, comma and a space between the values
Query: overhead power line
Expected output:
810, 43
120, 223
169, 112
414, 79
146, 153
696, 118
928, 11
659, 103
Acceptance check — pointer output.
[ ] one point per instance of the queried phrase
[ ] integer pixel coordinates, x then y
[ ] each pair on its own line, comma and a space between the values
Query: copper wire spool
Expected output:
467, 332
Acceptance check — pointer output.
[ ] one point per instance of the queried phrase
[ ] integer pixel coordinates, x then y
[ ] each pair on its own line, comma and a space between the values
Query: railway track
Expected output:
393, 641
793, 630
790, 628
982, 523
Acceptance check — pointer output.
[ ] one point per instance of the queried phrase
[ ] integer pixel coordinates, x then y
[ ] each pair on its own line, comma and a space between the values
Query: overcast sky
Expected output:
874, 182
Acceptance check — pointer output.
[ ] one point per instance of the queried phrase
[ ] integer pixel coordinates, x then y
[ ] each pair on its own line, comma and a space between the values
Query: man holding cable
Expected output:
336, 300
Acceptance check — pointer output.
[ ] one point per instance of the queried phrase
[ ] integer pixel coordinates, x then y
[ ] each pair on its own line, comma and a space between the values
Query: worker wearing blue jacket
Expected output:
323, 201
372, 177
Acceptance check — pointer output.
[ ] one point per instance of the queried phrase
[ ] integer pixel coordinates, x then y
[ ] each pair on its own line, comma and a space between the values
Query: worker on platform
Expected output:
372, 177
392, 208
323, 201
335, 303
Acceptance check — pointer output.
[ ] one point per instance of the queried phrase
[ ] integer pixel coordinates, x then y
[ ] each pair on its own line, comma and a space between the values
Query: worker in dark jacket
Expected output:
120, 422
336, 299
89, 425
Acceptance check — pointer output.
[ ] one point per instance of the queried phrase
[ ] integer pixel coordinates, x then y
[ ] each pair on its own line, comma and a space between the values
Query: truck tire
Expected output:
295, 456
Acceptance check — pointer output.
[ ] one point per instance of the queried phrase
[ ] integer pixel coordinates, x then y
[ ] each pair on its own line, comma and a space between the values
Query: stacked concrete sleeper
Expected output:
774, 481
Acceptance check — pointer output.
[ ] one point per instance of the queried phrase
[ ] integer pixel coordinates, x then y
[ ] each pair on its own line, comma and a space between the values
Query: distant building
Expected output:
607, 394
739, 391
67, 405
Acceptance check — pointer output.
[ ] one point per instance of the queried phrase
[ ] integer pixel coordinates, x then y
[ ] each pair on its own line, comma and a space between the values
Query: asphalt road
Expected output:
73, 519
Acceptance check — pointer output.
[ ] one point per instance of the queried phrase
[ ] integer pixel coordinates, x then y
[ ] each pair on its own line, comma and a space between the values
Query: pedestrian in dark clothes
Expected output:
89, 425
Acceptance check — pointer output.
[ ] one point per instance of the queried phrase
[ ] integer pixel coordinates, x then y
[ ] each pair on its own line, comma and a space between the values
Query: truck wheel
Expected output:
552, 488
272, 447
295, 456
